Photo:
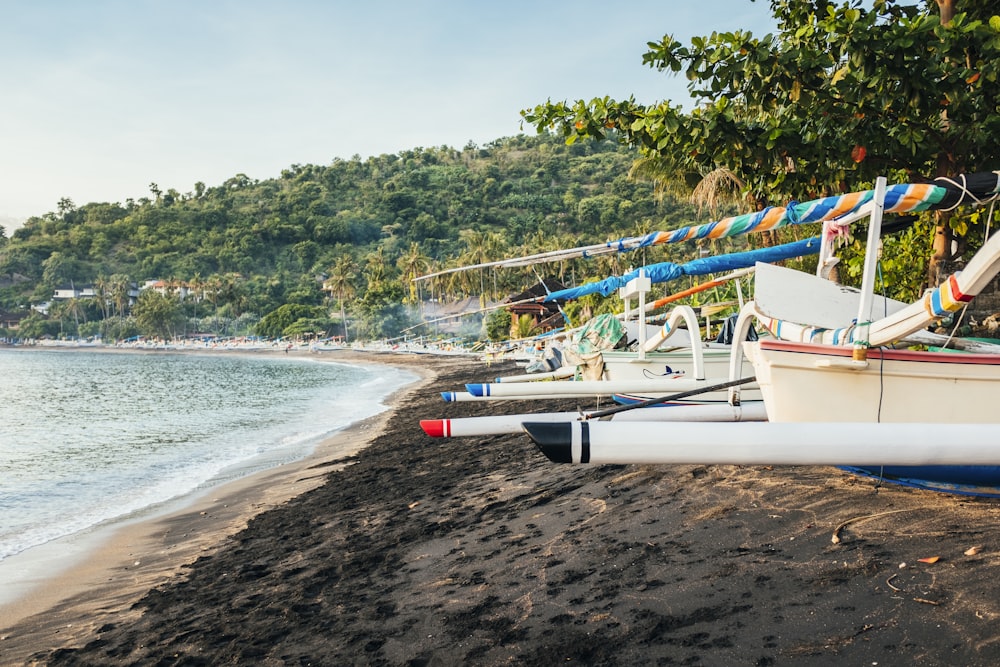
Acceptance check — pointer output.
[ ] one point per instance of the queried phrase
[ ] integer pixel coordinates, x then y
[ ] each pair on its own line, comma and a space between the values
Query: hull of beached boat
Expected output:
802, 382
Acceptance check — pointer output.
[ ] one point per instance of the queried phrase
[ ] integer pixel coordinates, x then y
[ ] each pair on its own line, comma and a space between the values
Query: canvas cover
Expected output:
604, 332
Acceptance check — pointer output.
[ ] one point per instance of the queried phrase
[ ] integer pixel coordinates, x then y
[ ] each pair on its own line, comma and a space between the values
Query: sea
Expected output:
89, 438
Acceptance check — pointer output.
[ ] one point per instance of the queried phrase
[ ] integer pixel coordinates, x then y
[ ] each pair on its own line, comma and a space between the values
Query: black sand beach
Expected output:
478, 551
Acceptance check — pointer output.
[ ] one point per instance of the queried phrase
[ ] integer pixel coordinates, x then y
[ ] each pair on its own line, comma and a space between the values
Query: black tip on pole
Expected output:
553, 439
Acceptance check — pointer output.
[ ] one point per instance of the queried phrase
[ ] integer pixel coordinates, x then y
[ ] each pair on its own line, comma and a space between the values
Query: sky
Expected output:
102, 98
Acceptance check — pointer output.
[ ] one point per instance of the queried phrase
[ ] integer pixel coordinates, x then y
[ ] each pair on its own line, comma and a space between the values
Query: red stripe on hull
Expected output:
878, 353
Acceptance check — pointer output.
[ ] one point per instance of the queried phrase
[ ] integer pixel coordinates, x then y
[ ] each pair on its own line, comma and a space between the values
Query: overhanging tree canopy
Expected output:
839, 95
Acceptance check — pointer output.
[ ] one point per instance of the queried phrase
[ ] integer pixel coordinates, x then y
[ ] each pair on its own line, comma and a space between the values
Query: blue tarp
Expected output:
667, 271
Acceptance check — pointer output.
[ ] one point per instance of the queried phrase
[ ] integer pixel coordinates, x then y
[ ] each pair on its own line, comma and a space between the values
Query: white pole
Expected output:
872, 252
640, 320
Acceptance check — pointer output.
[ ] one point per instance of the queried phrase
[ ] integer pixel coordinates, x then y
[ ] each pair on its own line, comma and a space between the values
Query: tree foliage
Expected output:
158, 315
497, 325
324, 236
839, 95
291, 320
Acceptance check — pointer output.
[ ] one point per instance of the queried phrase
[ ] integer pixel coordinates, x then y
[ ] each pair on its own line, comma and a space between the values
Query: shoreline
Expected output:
113, 565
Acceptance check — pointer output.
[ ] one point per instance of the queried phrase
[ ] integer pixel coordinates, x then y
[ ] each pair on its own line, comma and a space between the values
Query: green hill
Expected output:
244, 248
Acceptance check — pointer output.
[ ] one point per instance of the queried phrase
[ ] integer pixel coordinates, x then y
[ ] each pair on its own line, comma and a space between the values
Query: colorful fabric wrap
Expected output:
946, 298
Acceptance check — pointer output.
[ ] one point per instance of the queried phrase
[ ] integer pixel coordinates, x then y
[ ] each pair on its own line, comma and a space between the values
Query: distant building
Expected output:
451, 316
66, 292
545, 315
71, 291
165, 287
9, 320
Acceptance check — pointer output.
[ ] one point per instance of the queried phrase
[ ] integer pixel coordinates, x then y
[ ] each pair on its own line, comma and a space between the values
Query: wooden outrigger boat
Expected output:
847, 366
691, 365
838, 388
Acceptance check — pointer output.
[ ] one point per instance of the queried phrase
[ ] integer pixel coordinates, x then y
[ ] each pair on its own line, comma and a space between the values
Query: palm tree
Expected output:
58, 310
195, 286
714, 190
495, 245
667, 178
436, 283
476, 252
236, 295
375, 266
213, 291
75, 309
457, 284
718, 189
341, 283
413, 264
225, 289
119, 290
102, 292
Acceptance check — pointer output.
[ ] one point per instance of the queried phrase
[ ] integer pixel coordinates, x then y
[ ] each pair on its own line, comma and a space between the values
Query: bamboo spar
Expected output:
701, 287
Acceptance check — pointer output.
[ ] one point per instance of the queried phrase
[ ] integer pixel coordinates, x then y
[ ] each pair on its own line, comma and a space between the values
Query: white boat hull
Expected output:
802, 382
768, 443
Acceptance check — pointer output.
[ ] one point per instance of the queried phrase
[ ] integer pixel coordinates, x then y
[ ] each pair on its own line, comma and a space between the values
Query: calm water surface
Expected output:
88, 437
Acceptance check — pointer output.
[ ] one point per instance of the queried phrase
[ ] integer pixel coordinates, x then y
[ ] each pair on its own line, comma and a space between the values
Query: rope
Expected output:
962, 187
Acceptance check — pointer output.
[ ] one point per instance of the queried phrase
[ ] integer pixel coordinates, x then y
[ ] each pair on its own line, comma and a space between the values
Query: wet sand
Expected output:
479, 551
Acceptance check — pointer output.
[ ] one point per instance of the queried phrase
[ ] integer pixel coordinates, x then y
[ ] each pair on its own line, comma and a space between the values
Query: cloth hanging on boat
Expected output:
729, 331
604, 332
552, 359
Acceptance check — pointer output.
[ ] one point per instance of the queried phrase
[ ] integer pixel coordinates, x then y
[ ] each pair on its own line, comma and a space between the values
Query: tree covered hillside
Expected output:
244, 249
